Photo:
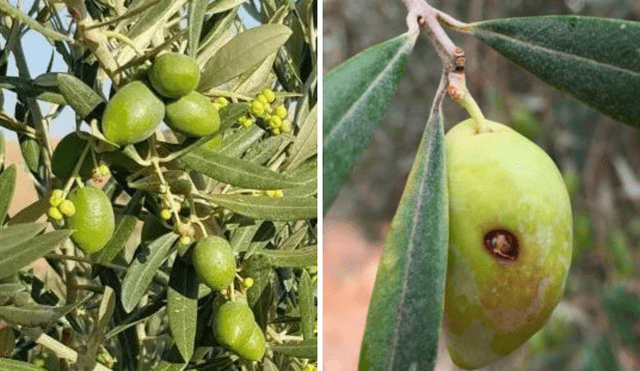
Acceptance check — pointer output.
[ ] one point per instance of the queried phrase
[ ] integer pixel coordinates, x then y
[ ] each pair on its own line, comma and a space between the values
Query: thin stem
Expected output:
472, 107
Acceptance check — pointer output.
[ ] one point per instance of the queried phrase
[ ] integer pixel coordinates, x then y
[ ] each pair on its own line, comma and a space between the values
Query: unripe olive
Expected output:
193, 115
66, 156
510, 236
174, 75
132, 114
233, 324
93, 221
253, 349
214, 262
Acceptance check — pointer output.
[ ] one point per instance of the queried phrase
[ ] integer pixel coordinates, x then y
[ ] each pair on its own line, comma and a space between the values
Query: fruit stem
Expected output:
468, 103
74, 176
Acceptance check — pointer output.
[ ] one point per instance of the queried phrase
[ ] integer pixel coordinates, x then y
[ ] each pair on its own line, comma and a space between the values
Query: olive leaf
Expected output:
196, 17
124, 229
7, 364
241, 140
356, 94
258, 268
593, 59
303, 257
15, 256
234, 171
268, 208
182, 306
140, 273
78, 95
306, 143
307, 308
220, 6
25, 87
7, 187
243, 52
407, 299
307, 348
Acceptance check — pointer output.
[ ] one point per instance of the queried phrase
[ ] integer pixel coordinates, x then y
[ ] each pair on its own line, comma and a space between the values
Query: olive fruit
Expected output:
233, 324
214, 262
132, 114
253, 349
93, 220
510, 236
193, 115
174, 75
66, 156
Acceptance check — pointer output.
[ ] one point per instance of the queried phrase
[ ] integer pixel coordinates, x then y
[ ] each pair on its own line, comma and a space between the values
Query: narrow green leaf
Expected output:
258, 268
267, 208
169, 366
31, 213
237, 172
243, 52
196, 17
356, 95
299, 258
306, 143
7, 364
182, 306
13, 258
7, 8
121, 235
78, 95
26, 87
305, 303
294, 239
32, 315
220, 6
19, 234
242, 236
407, 299
7, 187
595, 60
265, 150
140, 274
307, 348
239, 141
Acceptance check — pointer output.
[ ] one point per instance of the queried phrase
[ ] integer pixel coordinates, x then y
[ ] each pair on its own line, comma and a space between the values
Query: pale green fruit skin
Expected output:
253, 349
174, 75
193, 115
132, 114
93, 221
501, 180
214, 262
233, 324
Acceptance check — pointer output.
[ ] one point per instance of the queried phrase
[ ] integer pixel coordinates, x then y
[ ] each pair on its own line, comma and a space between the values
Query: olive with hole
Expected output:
193, 115
214, 262
253, 349
67, 154
93, 221
510, 237
233, 324
174, 75
132, 114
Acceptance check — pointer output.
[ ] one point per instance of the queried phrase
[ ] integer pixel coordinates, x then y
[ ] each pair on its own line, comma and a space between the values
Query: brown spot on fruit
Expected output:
502, 245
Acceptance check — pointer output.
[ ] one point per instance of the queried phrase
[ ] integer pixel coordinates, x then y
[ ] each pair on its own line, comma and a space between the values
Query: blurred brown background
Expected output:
598, 323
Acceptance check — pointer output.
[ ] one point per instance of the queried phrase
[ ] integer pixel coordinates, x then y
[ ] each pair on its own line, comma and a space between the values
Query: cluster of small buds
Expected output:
275, 116
60, 207
248, 282
275, 193
220, 102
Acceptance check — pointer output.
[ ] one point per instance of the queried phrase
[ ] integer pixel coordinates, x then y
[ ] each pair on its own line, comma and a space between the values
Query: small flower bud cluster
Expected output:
268, 109
220, 103
60, 207
275, 193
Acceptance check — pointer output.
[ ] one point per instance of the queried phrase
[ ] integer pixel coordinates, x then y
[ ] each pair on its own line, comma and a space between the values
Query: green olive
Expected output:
214, 262
132, 114
233, 324
174, 75
93, 221
254, 348
193, 115
66, 156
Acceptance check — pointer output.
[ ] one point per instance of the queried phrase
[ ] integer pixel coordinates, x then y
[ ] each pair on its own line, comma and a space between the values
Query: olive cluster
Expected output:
168, 93
235, 326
